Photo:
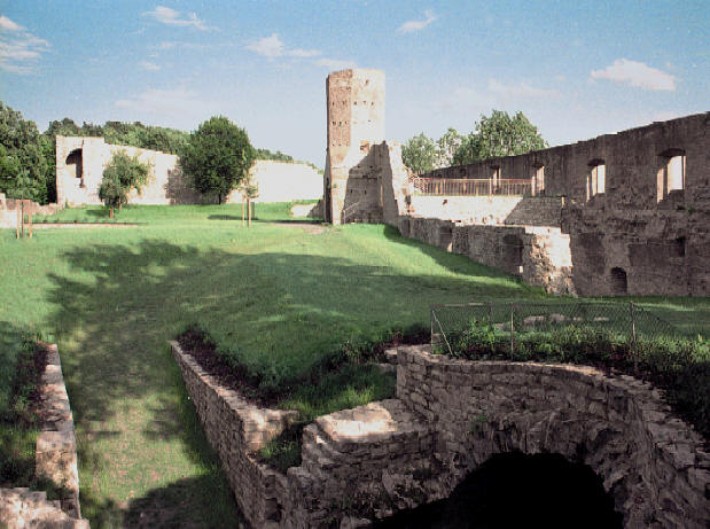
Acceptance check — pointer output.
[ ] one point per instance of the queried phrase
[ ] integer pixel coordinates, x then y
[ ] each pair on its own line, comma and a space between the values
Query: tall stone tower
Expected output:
356, 122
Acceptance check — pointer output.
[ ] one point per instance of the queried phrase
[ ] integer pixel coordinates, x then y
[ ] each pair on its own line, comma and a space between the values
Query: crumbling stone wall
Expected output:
55, 459
630, 231
537, 254
82, 160
449, 417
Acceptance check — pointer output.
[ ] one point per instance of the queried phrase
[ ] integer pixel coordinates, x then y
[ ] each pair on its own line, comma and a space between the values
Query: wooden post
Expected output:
30, 219
18, 214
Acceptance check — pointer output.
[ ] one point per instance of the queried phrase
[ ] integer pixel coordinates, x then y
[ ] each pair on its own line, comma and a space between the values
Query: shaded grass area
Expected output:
22, 365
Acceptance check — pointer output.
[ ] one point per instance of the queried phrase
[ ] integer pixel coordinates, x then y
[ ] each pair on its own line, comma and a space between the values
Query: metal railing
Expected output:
472, 187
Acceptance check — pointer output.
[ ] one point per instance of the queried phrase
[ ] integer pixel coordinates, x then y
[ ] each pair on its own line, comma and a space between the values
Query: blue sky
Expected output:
577, 69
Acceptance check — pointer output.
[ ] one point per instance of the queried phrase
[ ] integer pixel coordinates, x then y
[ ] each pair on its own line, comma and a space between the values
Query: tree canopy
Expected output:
24, 168
217, 156
499, 135
422, 154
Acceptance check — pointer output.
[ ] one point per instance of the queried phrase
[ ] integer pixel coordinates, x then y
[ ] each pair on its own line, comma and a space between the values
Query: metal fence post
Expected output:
512, 328
634, 352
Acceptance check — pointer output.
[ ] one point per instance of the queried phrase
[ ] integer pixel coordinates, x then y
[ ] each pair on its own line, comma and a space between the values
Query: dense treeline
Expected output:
27, 156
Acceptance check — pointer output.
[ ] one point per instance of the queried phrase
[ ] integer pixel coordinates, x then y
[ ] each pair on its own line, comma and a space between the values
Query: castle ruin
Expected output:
625, 213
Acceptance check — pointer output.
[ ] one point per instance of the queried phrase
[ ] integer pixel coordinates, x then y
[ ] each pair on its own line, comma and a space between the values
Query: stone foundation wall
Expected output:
55, 459
237, 430
449, 417
652, 463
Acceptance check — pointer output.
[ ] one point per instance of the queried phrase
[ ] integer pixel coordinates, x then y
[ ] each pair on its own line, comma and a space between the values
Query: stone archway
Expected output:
650, 462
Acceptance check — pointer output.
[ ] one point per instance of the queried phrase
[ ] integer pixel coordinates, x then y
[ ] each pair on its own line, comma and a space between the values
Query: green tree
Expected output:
499, 135
447, 146
122, 174
420, 153
217, 156
23, 167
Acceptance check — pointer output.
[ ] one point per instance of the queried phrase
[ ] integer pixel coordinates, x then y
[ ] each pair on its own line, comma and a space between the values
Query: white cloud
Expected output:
520, 90
19, 49
270, 47
417, 25
174, 103
149, 66
8, 25
273, 47
335, 64
636, 74
171, 17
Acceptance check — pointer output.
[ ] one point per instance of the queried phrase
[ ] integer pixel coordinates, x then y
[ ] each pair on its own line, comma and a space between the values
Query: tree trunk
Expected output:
110, 213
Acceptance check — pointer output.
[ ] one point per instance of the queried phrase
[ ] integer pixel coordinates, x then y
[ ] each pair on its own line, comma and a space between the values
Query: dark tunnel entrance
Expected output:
516, 490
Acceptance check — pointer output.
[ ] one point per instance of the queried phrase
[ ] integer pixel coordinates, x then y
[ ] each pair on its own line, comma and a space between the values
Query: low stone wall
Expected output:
539, 255
55, 459
449, 417
236, 430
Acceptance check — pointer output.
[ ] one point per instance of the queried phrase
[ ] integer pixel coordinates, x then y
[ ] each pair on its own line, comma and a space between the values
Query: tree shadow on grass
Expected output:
279, 313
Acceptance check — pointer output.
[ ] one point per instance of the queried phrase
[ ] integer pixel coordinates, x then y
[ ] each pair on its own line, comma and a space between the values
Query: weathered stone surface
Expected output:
449, 417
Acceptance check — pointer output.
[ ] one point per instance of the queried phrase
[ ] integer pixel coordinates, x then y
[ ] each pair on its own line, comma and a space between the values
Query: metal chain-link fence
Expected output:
570, 331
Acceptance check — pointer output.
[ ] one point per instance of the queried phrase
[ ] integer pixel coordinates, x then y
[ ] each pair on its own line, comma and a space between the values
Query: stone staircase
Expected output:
22, 508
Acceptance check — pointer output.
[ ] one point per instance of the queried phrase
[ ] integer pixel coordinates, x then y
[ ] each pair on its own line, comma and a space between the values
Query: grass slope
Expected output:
277, 296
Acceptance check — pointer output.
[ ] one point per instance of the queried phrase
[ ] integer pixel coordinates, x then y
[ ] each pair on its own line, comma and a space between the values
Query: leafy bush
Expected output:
122, 174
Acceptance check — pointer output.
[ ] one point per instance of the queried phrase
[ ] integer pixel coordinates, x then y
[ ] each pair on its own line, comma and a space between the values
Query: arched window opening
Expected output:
495, 179
518, 490
75, 165
619, 282
679, 247
671, 173
537, 179
513, 252
596, 178
446, 236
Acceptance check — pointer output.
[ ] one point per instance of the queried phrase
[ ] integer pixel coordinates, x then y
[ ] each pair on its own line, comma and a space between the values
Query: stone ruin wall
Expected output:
352, 190
633, 237
8, 210
539, 255
82, 160
449, 417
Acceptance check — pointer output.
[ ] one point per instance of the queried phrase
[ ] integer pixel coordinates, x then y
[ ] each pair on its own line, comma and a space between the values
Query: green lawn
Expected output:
277, 296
